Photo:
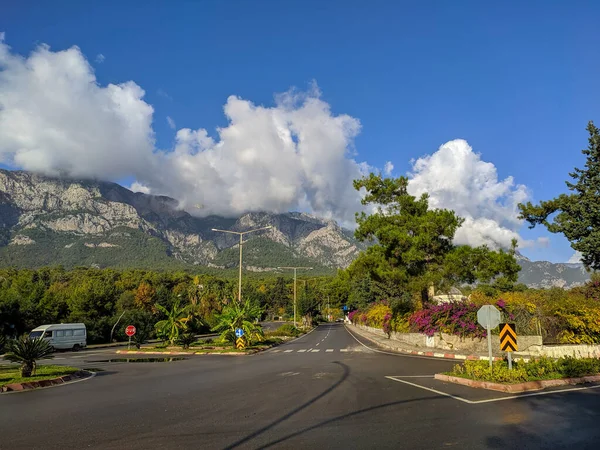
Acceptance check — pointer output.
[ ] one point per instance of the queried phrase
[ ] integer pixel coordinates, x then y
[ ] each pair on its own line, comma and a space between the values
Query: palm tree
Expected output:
186, 340
27, 351
239, 315
176, 321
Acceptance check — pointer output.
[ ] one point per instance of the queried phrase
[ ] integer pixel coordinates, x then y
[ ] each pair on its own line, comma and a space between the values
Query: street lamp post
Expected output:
295, 269
241, 235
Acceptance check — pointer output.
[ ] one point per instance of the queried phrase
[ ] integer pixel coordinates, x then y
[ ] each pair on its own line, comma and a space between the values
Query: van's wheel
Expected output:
76, 347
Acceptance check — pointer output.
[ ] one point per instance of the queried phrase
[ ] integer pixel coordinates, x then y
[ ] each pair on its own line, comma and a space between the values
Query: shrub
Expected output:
539, 369
458, 318
377, 313
27, 351
186, 339
353, 316
285, 330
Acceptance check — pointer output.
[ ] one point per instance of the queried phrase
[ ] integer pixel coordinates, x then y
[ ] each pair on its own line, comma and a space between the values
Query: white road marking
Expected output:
329, 350
404, 355
288, 351
344, 350
302, 351
490, 400
316, 350
318, 343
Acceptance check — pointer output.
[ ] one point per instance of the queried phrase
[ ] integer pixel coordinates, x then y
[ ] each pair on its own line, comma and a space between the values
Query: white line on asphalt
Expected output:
414, 376
391, 353
318, 343
302, 351
316, 350
344, 350
288, 351
329, 350
490, 400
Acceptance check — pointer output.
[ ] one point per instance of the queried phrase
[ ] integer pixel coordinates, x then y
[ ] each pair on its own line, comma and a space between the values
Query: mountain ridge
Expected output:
86, 222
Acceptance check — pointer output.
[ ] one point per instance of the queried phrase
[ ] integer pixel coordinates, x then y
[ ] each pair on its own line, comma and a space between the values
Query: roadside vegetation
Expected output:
12, 374
535, 370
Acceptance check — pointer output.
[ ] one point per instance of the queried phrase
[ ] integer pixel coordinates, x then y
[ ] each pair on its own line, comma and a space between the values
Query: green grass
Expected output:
11, 374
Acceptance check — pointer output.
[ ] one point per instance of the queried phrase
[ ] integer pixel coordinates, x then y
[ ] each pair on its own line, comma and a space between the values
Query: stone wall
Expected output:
455, 343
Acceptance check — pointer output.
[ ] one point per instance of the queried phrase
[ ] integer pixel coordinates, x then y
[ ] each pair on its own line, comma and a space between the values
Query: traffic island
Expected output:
524, 376
205, 349
517, 388
46, 376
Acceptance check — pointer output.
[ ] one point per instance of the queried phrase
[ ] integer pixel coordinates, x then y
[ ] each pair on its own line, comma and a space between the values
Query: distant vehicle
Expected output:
339, 319
63, 336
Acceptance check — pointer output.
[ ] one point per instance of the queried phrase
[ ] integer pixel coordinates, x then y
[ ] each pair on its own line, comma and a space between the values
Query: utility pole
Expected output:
295, 269
241, 235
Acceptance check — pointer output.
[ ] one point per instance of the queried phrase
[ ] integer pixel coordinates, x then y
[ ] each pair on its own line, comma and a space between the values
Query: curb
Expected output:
46, 383
433, 354
518, 387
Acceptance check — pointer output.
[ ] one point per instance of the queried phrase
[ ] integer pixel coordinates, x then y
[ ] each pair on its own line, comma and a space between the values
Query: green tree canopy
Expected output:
414, 244
578, 215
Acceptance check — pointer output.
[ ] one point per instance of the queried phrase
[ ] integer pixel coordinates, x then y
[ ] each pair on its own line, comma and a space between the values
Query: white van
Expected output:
62, 336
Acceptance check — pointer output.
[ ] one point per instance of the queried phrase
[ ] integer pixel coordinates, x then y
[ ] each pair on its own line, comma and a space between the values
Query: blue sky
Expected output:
516, 81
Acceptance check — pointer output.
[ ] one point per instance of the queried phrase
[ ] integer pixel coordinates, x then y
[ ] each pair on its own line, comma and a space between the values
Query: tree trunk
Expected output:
27, 369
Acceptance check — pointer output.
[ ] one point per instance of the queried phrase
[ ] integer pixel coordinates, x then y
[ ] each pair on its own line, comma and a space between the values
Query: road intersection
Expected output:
345, 395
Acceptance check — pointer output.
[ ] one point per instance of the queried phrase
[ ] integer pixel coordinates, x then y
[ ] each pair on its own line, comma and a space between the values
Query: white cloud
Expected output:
575, 258
171, 123
296, 154
388, 168
138, 187
164, 94
543, 242
457, 178
56, 119
100, 58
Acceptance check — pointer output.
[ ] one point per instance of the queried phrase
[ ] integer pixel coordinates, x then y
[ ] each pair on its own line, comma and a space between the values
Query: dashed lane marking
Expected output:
316, 350
329, 350
302, 351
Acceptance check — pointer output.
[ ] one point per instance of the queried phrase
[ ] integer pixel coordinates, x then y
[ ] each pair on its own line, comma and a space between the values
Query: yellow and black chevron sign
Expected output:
240, 344
508, 337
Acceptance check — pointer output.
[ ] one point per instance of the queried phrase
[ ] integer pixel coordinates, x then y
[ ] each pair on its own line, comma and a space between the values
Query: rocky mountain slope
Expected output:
47, 221
72, 222
544, 274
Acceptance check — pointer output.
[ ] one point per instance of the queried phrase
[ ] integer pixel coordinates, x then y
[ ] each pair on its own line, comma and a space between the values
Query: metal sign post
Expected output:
489, 317
129, 331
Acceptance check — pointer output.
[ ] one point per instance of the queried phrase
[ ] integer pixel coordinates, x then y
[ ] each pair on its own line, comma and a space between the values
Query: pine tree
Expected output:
578, 217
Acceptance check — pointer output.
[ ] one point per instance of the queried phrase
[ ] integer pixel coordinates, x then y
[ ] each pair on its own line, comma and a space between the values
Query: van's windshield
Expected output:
36, 334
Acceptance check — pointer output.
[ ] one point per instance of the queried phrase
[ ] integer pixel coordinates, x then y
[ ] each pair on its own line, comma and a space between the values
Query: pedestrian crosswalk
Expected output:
312, 350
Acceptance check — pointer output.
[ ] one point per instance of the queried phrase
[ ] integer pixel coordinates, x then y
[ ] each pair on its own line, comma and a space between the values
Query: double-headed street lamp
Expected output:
241, 235
295, 269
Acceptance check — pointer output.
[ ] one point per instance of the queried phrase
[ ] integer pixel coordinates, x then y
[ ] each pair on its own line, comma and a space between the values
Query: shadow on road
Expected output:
555, 421
327, 391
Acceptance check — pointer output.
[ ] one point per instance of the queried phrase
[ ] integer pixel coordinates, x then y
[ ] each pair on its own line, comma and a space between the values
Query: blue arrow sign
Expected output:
345, 308
239, 332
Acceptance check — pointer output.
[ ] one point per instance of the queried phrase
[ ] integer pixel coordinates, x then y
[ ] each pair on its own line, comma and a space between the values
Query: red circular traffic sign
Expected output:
130, 330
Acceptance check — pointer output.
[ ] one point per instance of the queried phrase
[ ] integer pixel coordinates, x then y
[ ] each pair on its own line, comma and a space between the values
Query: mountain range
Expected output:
49, 221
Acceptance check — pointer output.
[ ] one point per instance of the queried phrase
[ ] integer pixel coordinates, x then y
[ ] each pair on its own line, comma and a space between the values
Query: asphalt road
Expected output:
324, 390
